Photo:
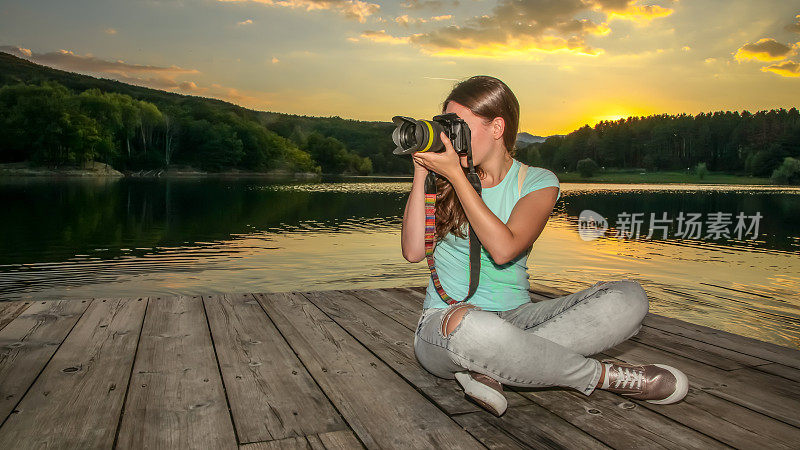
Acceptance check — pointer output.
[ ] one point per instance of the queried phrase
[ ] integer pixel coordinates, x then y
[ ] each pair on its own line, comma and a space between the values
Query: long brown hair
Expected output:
487, 97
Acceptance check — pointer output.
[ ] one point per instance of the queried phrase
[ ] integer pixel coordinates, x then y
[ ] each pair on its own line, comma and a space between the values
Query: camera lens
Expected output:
408, 133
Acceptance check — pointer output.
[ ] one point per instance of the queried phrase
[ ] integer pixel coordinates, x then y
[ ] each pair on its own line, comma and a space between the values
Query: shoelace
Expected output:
629, 378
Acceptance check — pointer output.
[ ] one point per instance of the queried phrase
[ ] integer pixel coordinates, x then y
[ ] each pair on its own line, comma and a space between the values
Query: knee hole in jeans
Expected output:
447, 319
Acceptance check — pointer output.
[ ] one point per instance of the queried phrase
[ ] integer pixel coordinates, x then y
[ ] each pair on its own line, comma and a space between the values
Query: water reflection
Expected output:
84, 238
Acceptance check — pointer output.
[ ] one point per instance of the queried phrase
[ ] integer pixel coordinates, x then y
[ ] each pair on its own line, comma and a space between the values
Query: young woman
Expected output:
498, 336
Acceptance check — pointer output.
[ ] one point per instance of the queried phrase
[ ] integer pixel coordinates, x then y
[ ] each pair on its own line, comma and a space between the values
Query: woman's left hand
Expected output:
446, 163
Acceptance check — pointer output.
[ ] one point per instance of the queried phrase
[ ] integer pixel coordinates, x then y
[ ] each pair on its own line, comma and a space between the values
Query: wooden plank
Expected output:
773, 396
419, 289
529, 426
77, 399
344, 439
548, 291
402, 305
272, 396
697, 350
725, 421
175, 398
730, 341
749, 346
382, 409
10, 310
393, 343
618, 422
790, 373
27, 343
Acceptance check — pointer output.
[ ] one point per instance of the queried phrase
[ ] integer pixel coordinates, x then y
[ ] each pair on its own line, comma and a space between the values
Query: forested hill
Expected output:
53, 117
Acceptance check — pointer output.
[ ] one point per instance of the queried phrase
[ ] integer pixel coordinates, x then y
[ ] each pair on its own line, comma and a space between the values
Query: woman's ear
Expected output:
498, 127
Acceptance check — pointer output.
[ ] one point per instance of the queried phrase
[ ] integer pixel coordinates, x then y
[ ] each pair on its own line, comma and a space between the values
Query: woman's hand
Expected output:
446, 163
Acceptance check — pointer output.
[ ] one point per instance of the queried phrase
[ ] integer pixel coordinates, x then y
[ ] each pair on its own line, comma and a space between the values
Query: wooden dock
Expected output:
336, 369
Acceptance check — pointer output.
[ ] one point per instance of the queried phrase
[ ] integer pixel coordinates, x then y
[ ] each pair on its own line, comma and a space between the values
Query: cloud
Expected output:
110, 31
518, 29
404, 20
244, 22
17, 51
766, 49
275, 60
784, 69
156, 77
794, 26
68, 60
229, 93
381, 36
352, 9
526, 28
629, 10
429, 4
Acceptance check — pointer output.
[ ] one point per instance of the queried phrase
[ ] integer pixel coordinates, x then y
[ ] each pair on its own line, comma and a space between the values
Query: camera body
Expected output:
411, 136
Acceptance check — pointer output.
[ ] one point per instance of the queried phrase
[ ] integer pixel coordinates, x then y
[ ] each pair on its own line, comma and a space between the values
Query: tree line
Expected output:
48, 124
732, 142
54, 117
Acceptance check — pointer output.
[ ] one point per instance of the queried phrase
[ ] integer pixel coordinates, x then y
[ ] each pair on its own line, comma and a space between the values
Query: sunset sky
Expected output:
570, 62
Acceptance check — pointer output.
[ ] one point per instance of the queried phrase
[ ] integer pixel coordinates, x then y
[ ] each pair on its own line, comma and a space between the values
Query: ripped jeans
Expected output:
536, 344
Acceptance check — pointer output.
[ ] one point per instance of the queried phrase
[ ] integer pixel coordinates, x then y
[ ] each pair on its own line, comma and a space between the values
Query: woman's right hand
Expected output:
418, 167
413, 230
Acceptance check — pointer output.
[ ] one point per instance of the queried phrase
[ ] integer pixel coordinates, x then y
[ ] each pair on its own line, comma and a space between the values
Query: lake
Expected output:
76, 238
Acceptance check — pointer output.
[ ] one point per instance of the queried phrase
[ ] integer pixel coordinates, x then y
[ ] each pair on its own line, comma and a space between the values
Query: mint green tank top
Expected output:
501, 287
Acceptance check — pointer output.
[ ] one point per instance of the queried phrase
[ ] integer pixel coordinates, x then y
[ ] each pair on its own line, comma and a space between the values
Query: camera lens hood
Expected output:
412, 135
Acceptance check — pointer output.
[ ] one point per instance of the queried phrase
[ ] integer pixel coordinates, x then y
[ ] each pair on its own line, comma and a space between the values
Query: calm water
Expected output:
125, 238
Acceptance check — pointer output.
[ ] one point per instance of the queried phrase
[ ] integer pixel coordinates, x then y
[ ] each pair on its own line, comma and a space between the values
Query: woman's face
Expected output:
483, 139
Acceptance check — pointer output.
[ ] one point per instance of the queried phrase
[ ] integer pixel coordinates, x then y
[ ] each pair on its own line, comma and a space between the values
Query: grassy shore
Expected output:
628, 176
604, 176
100, 170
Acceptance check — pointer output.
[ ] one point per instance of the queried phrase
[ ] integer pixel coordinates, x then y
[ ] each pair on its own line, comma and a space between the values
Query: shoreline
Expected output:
103, 171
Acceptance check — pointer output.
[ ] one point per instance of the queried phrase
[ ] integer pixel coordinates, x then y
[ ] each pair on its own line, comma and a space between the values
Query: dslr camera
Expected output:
412, 136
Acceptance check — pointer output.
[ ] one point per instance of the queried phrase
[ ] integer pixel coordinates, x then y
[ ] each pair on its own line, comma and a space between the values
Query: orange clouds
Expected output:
157, 77
524, 29
405, 20
766, 49
629, 10
68, 60
770, 50
794, 26
784, 69
352, 9
381, 36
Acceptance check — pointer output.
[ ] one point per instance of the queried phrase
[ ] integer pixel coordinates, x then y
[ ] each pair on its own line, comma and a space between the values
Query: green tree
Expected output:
701, 170
587, 167
788, 172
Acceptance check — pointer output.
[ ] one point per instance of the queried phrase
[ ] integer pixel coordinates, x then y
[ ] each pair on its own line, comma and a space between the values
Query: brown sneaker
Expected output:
655, 383
484, 390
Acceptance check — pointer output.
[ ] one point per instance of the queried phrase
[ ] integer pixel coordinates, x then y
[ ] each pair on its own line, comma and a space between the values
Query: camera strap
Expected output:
430, 236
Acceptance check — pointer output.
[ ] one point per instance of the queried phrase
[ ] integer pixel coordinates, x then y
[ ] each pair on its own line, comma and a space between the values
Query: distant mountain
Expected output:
527, 138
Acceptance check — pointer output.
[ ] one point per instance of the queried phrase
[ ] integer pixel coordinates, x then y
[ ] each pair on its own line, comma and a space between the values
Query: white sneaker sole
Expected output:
681, 388
487, 397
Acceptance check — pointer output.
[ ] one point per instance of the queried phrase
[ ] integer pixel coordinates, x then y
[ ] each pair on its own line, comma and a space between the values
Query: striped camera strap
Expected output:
430, 236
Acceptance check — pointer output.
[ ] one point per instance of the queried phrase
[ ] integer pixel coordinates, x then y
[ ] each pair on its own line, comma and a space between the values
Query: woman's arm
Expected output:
412, 236
504, 242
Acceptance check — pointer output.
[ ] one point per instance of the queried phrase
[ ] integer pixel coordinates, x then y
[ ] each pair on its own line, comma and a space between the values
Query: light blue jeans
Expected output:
536, 344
